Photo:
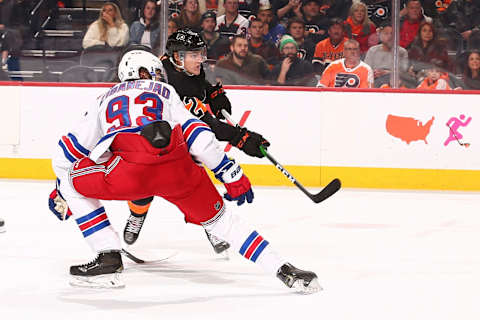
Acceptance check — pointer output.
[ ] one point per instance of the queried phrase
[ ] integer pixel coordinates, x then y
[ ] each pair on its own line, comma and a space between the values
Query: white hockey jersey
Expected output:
126, 107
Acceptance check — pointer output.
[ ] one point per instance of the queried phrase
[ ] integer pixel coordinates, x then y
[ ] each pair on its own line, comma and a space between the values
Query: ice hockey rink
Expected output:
378, 255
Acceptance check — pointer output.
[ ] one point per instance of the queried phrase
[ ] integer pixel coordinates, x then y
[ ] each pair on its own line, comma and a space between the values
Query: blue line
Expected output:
247, 242
91, 215
259, 250
78, 145
96, 228
194, 135
66, 153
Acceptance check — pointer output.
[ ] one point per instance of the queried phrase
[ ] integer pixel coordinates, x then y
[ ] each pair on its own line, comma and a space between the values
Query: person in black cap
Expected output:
217, 46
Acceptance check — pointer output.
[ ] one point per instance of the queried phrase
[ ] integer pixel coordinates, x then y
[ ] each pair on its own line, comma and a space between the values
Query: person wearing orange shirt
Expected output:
331, 49
435, 80
349, 72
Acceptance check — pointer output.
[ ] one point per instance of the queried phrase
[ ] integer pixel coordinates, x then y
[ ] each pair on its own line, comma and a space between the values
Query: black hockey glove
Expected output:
218, 101
249, 142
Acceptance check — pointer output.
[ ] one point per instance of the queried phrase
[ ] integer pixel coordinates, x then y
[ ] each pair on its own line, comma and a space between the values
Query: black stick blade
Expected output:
327, 192
132, 257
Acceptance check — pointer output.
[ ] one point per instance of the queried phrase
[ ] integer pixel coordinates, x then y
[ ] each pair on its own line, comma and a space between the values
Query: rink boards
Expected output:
369, 139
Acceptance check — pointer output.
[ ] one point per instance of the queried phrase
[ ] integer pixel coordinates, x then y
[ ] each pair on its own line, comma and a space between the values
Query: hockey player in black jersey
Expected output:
186, 51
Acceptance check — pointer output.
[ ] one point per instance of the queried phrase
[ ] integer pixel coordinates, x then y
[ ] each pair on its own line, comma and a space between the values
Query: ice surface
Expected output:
378, 255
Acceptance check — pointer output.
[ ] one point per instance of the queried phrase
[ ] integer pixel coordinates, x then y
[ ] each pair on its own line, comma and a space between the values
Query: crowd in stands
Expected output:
323, 43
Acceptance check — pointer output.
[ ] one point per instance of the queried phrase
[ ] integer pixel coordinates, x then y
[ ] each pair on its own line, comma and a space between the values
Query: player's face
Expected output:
359, 15
256, 30
266, 16
193, 60
209, 24
335, 32
426, 33
149, 10
297, 30
240, 48
474, 61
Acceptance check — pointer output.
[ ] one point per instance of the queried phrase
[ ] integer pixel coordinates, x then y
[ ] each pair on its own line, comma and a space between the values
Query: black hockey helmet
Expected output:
184, 40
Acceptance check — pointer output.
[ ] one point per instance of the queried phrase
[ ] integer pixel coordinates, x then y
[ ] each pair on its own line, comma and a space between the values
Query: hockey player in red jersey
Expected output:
140, 141
186, 51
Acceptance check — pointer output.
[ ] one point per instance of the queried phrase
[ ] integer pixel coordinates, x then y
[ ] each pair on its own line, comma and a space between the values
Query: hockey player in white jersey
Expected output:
140, 141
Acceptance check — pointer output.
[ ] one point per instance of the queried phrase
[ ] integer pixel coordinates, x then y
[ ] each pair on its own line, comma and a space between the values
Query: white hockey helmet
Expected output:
133, 61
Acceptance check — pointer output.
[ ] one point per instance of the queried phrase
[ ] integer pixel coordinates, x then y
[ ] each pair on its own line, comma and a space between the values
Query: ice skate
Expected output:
132, 228
300, 280
2, 225
103, 272
219, 246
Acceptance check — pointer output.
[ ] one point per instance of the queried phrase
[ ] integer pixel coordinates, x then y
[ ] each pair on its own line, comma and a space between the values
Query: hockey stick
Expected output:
132, 257
466, 144
329, 190
155, 258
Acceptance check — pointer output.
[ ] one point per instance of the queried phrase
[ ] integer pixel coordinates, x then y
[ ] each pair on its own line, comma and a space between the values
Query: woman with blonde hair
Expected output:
358, 26
190, 15
108, 30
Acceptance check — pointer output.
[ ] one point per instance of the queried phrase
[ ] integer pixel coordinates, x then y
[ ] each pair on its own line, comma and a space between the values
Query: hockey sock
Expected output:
246, 241
97, 231
140, 207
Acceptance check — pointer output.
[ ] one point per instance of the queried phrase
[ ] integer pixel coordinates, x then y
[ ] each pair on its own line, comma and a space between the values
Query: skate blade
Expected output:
105, 281
224, 255
313, 287
2, 229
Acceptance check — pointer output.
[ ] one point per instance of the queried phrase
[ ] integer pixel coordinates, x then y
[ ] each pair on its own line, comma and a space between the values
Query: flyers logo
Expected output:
348, 80
195, 106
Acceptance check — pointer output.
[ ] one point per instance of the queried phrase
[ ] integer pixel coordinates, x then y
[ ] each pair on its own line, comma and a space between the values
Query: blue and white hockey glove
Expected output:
237, 184
58, 205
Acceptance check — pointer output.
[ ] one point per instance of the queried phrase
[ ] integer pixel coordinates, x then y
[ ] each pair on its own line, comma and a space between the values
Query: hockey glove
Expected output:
249, 142
218, 101
237, 184
58, 205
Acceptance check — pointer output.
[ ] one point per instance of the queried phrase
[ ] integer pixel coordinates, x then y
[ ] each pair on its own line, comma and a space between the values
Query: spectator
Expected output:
471, 74
349, 72
380, 57
212, 5
273, 30
306, 46
331, 48
217, 46
257, 45
291, 70
172, 27
108, 30
316, 23
426, 50
286, 9
336, 8
464, 15
189, 15
10, 37
241, 66
359, 27
231, 23
410, 23
146, 31
436, 79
